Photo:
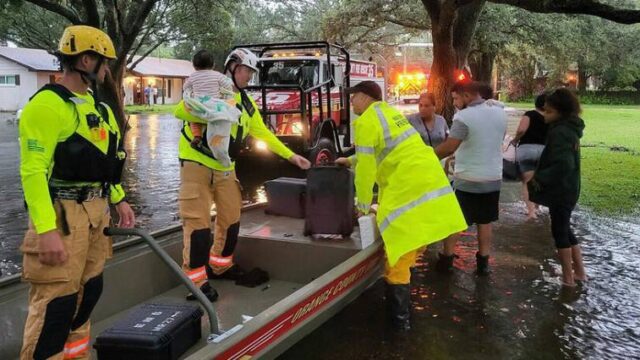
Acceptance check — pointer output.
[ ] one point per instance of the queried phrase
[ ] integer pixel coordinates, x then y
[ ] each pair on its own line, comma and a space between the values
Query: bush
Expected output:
610, 97
590, 98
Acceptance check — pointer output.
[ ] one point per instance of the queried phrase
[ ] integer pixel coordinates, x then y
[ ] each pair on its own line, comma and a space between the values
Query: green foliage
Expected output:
30, 26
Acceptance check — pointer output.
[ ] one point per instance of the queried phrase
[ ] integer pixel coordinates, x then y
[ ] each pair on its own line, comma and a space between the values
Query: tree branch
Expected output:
147, 53
586, 7
93, 18
59, 9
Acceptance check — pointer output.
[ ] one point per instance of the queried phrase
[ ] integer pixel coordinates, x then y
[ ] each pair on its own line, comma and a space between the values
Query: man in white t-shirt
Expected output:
476, 138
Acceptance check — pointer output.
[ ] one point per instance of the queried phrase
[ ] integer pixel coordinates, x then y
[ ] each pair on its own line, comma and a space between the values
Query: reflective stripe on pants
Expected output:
197, 275
220, 261
73, 350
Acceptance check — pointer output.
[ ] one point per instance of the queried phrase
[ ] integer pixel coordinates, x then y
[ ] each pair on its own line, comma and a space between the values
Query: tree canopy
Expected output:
524, 37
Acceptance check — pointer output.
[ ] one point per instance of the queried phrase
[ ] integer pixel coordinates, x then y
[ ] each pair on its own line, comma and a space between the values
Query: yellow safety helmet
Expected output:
78, 39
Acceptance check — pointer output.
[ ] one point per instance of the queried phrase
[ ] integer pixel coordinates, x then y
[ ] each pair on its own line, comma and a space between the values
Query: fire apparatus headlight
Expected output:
261, 145
296, 128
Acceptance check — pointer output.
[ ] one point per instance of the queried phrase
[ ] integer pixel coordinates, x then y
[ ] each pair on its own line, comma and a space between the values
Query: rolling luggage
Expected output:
286, 197
329, 201
152, 332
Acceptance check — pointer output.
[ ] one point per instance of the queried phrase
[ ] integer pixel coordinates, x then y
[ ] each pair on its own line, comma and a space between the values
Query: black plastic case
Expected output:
286, 197
153, 332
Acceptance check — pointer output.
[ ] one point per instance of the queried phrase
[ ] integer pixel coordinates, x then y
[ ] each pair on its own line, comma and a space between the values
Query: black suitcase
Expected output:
152, 332
329, 201
286, 197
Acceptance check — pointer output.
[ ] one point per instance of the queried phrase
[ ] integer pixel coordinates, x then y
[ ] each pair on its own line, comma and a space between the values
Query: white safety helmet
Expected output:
242, 56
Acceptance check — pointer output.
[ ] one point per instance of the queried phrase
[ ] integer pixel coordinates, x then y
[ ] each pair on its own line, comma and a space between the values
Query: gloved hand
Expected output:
195, 143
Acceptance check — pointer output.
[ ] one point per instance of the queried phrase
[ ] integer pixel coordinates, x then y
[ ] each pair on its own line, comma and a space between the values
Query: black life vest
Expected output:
77, 159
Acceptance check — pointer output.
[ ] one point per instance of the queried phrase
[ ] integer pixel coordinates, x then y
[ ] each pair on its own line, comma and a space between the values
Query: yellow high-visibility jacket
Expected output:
251, 125
416, 203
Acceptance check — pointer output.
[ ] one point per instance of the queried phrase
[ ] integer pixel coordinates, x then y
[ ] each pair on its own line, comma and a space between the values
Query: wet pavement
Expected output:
519, 312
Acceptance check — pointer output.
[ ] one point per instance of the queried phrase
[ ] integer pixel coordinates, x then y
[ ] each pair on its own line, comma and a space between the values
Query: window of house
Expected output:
9, 80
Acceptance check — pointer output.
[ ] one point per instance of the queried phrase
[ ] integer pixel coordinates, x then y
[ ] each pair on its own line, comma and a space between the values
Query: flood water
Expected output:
519, 312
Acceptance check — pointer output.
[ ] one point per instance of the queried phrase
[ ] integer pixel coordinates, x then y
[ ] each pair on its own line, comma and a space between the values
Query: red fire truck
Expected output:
300, 94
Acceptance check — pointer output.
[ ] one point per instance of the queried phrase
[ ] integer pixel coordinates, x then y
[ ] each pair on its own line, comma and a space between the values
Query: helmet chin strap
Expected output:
244, 98
91, 77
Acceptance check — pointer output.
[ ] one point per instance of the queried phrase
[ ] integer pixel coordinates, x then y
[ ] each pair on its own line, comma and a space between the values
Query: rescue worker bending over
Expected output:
71, 164
416, 203
204, 180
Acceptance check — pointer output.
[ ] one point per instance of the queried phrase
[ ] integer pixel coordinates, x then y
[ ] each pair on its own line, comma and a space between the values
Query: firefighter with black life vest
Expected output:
205, 181
71, 164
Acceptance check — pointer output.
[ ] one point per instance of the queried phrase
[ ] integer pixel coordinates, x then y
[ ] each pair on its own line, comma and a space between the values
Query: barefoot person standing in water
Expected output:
556, 181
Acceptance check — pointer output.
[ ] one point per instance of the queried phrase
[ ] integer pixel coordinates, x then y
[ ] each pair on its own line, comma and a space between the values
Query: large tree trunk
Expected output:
582, 78
452, 29
464, 27
481, 65
111, 92
442, 72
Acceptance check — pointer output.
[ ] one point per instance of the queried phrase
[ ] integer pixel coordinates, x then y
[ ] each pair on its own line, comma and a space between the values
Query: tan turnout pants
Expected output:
62, 297
200, 188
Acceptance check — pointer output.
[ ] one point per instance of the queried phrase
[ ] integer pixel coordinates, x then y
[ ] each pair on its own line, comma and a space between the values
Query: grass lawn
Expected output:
610, 159
143, 109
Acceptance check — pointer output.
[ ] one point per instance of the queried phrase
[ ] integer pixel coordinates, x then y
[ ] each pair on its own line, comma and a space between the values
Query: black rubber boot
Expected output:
233, 273
482, 264
208, 291
445, 263
398, 298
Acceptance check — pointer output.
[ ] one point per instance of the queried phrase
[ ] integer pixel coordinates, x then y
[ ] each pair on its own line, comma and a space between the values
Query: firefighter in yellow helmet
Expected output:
417, 206
204, 181
71, 164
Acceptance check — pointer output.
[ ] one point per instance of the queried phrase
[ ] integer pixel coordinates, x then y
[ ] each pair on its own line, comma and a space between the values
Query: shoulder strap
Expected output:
64, 93
246, 103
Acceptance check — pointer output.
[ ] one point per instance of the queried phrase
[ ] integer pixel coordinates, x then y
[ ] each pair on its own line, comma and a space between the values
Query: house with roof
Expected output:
167, 76
23, 71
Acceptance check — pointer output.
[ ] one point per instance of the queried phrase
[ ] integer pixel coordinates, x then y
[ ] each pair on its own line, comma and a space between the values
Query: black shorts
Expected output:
479, 208
561, 226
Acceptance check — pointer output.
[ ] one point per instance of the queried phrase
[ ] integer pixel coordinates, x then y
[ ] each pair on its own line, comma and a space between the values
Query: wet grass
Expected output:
143, 109
610, 159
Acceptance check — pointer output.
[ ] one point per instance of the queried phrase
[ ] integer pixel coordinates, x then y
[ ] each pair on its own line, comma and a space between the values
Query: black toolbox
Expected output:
286, 197
152, 332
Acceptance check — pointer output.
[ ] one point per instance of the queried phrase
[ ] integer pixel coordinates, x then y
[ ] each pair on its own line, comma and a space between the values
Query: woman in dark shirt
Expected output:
530, 140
